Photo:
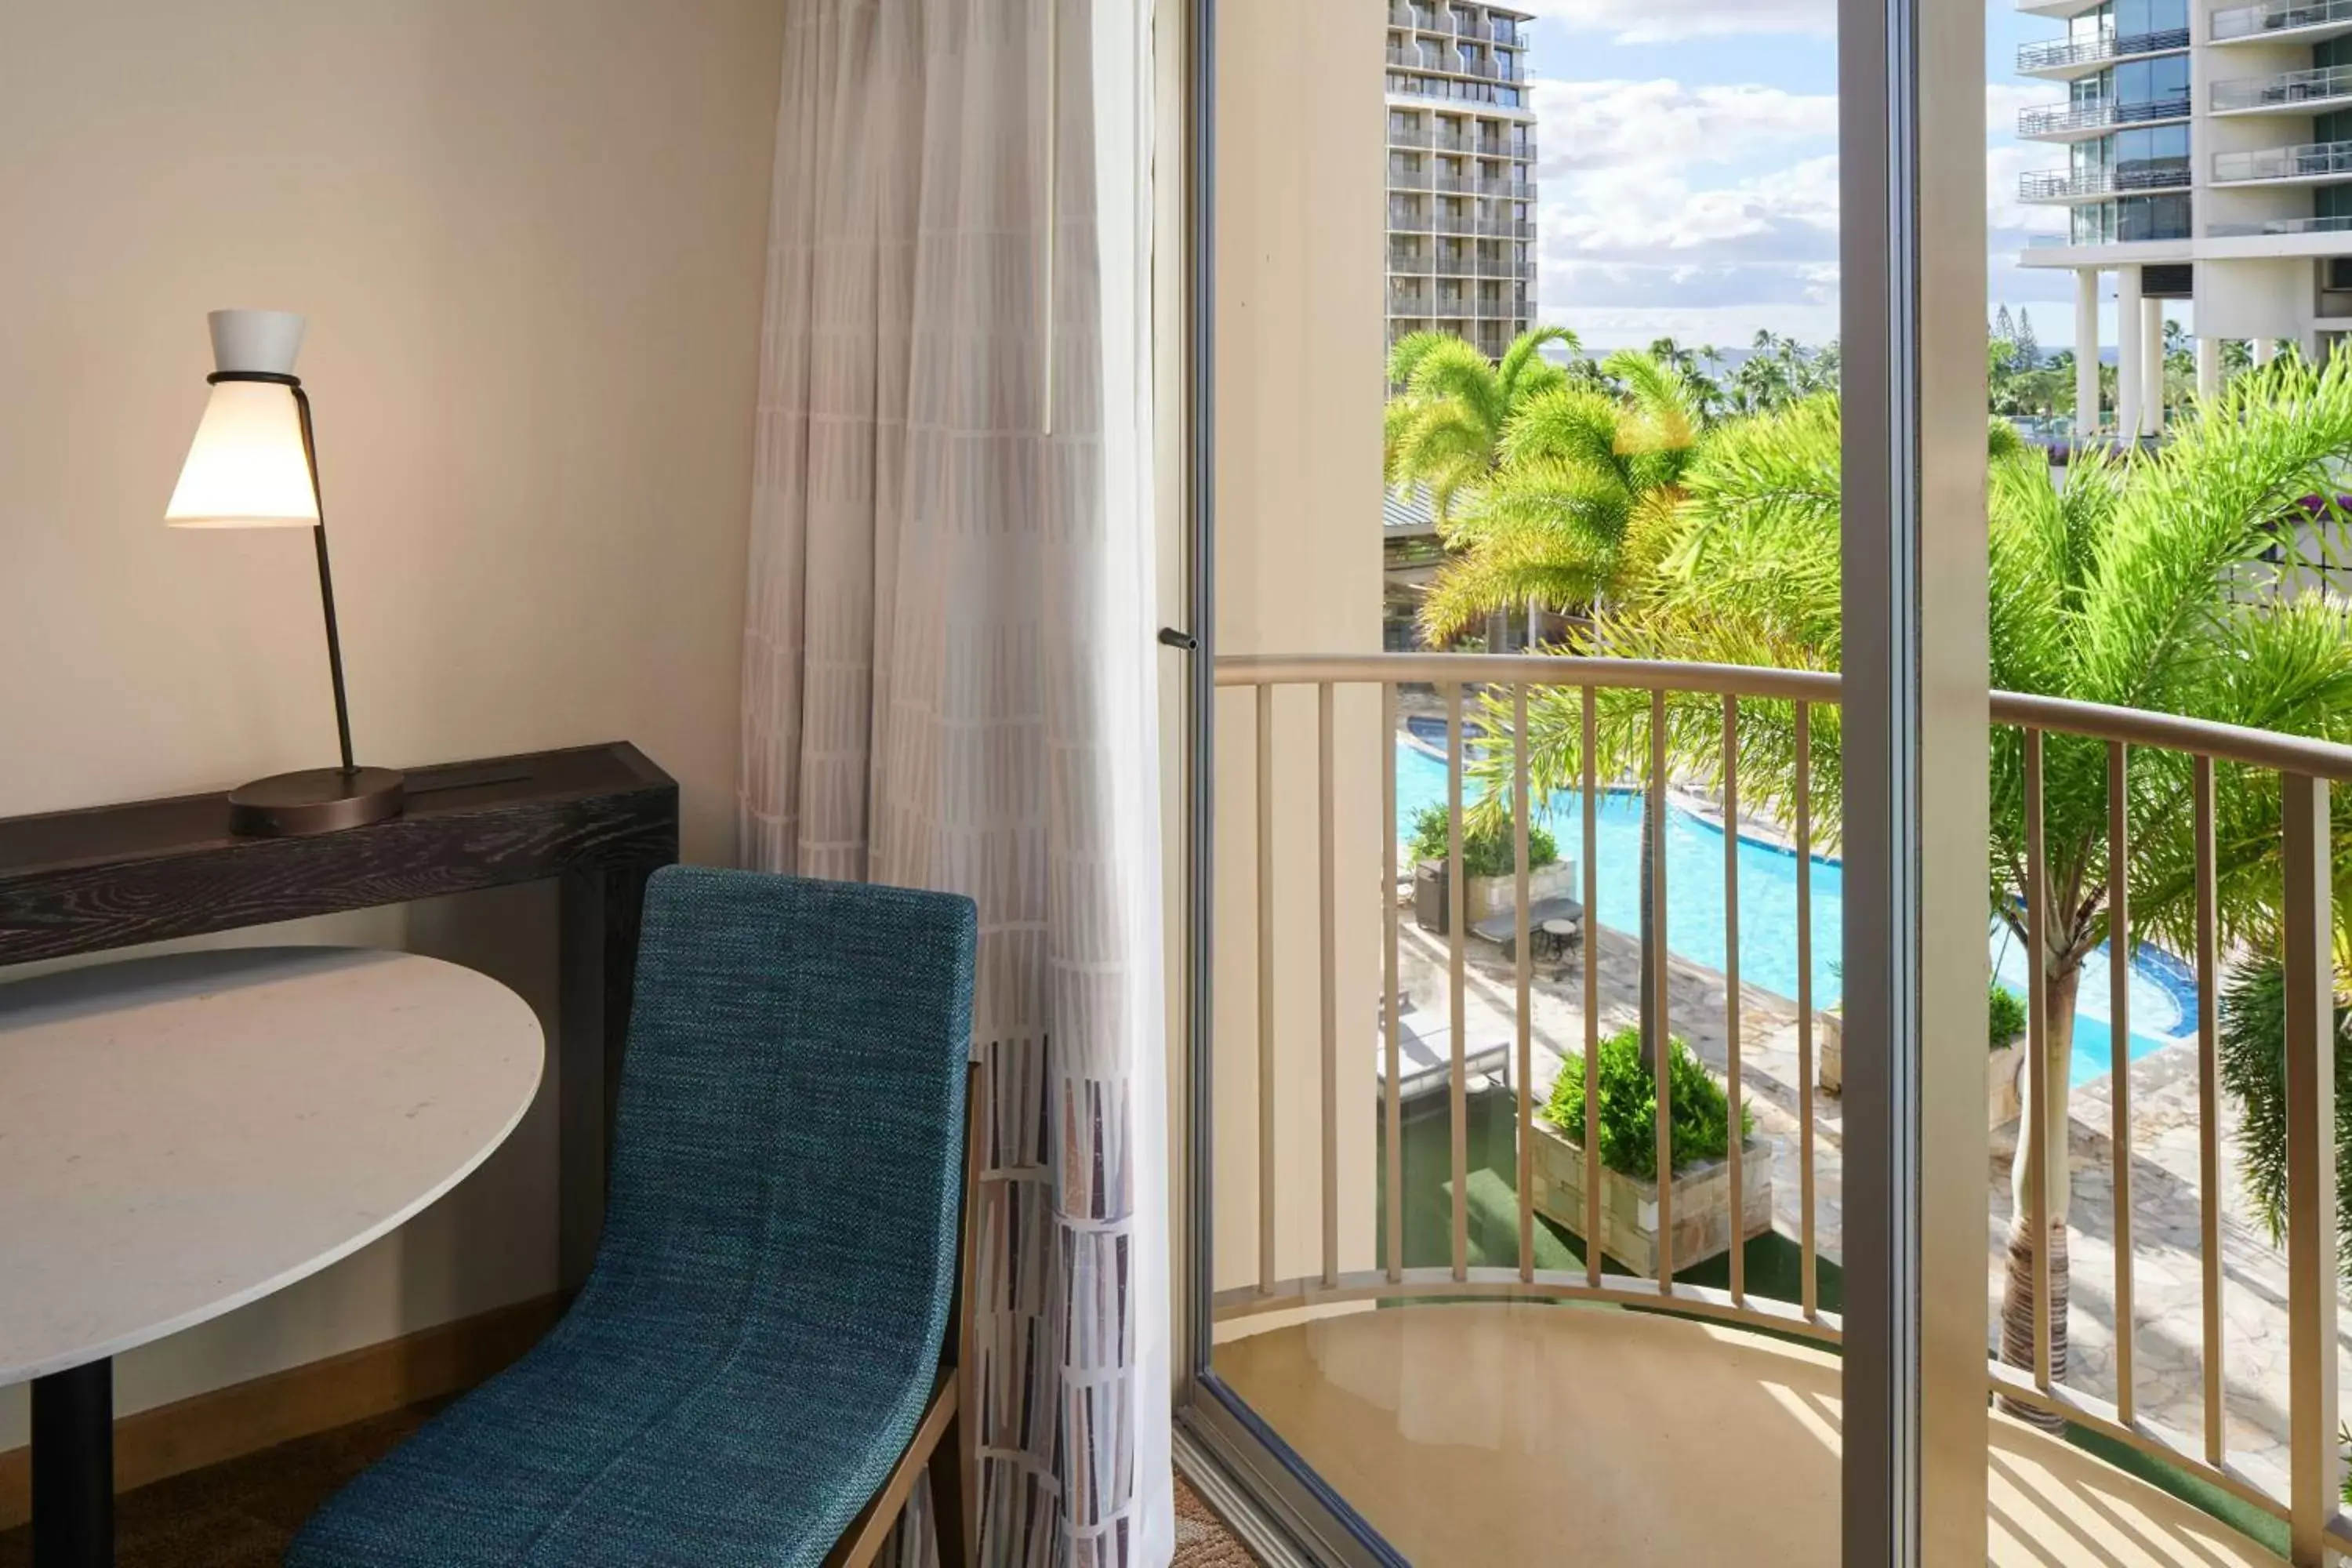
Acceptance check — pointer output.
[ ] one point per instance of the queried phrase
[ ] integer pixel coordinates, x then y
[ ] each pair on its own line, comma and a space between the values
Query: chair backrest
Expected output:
788, 1155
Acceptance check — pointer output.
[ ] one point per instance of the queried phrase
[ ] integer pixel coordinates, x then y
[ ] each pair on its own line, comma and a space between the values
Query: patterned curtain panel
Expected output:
948, 676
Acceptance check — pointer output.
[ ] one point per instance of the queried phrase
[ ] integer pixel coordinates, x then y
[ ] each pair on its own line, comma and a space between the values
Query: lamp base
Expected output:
316, 800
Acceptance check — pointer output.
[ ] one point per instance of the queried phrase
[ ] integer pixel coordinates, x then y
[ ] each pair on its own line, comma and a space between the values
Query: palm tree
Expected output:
1587, 488
1445, 428
1582, 479
2118, 589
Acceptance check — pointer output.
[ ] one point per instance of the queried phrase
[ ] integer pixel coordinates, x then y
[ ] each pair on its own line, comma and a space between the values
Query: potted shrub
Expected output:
1703, 1223
2005, 1029
2005, 1019
1489, 882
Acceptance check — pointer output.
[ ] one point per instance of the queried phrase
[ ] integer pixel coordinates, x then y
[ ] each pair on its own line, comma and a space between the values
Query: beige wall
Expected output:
1299, 346
529, 234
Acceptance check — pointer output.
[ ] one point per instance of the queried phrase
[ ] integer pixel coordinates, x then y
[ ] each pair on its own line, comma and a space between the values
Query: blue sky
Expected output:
1689, 170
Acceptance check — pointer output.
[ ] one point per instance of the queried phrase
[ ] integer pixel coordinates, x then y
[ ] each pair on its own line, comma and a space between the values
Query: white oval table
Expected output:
181, 1135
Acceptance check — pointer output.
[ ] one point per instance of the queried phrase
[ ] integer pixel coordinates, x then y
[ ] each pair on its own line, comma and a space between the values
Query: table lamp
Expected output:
254, 465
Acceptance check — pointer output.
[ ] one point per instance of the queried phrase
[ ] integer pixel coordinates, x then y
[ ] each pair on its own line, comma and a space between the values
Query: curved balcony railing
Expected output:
2058, 184
2307, 161
2054, 117
2277, 16
2288, 89
2185, 1422
2065, 52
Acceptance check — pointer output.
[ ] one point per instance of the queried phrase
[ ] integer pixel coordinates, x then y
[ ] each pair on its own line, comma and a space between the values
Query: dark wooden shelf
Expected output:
81, 881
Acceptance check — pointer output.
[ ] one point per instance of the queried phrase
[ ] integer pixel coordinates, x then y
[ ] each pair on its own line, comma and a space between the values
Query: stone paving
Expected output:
2168, 1302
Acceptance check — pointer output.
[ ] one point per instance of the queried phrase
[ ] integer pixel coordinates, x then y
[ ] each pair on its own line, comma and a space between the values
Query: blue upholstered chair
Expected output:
753, 1373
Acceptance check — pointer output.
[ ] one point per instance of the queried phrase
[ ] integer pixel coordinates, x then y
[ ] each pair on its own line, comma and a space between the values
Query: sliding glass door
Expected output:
1538, 1209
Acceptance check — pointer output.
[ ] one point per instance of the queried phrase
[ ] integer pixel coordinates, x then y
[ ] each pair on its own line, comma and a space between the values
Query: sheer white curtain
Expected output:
948, 661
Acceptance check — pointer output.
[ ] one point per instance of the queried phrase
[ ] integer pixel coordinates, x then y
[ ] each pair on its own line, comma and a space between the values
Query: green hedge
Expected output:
1485, 851
1629, 1106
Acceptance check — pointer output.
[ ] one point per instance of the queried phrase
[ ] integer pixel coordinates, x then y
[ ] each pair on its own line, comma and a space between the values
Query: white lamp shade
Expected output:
245, 467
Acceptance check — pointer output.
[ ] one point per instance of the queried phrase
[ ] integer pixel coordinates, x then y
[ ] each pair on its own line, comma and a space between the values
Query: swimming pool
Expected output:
2163, 992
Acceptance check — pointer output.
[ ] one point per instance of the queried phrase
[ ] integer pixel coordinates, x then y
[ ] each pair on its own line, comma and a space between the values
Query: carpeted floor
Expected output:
242, 1514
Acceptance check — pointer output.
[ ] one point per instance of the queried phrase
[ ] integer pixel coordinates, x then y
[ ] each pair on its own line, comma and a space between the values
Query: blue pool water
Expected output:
2163, 994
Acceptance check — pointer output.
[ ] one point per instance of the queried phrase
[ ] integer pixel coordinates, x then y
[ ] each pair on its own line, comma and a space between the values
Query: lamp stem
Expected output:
326, 584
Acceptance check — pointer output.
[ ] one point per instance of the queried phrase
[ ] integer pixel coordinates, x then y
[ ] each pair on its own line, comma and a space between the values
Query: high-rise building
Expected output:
2208, 157
1461, 184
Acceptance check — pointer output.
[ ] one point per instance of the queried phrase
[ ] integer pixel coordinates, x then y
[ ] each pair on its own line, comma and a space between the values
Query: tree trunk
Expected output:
2061, 977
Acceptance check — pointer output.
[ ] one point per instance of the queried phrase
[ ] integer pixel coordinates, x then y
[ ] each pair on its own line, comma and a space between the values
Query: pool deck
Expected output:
2167, 1280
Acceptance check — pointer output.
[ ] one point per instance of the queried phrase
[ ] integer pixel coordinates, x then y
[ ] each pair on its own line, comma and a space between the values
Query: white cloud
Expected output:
2008, 217
1666, 124
1655, 217
1665, 21
2004, 98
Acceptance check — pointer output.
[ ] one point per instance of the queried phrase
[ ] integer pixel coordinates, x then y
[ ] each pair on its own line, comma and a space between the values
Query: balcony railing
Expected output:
2287, 88
1443, 89
2279, 226
2304, 161
2104, 47
1408, 179
2277, 16
2057, 184
2091, 115
2182, 1420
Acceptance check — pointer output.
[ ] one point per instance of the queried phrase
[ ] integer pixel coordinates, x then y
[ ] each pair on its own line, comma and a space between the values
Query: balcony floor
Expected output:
1485, 1433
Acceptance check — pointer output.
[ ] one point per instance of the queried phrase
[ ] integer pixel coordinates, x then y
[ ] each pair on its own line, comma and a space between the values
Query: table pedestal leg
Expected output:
73, 1467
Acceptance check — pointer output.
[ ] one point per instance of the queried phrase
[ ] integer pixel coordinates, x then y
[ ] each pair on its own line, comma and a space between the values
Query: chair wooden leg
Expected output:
950, 1521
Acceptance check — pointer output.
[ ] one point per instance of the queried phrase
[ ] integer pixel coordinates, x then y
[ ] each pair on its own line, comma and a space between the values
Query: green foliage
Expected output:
1700, 1113
1443, 429
1581, 477
2253, 1073
2005, 1013
1486, 844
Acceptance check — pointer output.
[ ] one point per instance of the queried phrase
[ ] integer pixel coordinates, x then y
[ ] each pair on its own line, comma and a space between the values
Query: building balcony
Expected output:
2278, 226
1712, 1434
2086, 184
2309, 163
2284, 21
2077, 122
2059, 10
1435, 85
1509, 34
1410, 179
1478, 1311
2082, 56
2289, 92
1506, 228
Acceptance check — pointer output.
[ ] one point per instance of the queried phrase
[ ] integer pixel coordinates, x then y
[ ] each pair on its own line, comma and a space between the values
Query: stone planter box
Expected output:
1485, 897
2003, 1070
1629, 1205
2002, 1067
